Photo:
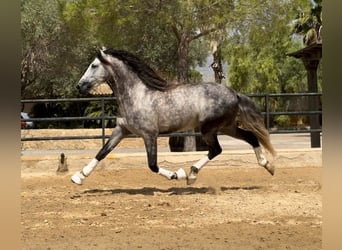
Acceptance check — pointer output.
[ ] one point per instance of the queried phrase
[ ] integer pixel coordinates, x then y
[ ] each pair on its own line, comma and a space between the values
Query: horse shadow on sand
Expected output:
170, 191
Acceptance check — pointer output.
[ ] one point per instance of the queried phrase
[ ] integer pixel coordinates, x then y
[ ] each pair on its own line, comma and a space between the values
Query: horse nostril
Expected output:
78, 87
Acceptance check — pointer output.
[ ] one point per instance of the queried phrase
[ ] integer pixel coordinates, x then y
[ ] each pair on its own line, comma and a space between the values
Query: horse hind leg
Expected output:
251, 139
262, 160
214, 150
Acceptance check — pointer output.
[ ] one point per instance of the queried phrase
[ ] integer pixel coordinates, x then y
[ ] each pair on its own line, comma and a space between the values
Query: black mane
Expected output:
148, 76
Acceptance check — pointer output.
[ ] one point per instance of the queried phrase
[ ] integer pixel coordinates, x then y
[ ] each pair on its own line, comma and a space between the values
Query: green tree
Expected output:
51, 62
40, 34
308, 22
128, 25
256, 48
192, 20
167, 33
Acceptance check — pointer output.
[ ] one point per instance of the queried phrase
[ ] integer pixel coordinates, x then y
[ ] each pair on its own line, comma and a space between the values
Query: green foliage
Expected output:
256, 49
282, 121
146, 28
308, 17
131, 25
94, 109
195, 76
51, 63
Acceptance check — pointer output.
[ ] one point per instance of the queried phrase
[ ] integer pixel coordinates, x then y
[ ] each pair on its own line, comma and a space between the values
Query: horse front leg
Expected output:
151, 150
117, 135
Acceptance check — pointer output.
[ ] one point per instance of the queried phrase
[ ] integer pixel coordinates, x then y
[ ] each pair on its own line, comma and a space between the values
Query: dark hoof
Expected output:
270, 168
192, 177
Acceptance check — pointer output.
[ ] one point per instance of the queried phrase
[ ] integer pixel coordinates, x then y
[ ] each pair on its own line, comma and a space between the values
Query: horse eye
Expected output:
94, 66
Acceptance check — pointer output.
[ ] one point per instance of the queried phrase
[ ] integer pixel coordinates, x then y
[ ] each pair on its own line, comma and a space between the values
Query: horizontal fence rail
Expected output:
103, 117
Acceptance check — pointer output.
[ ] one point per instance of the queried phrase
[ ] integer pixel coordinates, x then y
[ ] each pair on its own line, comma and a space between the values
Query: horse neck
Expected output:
124, 83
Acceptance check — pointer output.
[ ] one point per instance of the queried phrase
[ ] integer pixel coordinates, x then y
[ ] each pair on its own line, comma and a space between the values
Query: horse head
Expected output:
96, 73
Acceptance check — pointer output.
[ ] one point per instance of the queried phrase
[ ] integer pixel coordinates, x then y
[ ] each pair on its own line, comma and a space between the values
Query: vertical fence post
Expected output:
103, 121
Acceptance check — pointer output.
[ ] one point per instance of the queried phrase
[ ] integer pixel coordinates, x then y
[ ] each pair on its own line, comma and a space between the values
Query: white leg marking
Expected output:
79, 177
90, 167
195, 169
166, 173
201, 163
178, 175
263, 161
181, 174
260, 156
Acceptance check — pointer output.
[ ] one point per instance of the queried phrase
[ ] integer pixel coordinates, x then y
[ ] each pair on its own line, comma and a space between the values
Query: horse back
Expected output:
187, 106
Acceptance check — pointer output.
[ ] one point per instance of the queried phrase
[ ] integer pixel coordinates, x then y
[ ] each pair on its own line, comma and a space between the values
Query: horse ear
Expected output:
103, 56
102, 52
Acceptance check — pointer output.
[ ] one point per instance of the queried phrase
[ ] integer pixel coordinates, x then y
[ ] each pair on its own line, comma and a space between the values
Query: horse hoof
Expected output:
77, 178
191, 179
181, 174
270, 168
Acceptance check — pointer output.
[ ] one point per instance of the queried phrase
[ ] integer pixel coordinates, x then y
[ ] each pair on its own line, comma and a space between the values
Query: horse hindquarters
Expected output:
252, 130
252, 120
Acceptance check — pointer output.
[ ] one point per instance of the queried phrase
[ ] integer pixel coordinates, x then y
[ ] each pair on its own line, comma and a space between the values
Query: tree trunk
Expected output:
217, 63
183, 69
183, 50
217, 67
189, 143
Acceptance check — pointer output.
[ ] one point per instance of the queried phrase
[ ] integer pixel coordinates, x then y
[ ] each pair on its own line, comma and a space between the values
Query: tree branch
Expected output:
204, 33
176, 32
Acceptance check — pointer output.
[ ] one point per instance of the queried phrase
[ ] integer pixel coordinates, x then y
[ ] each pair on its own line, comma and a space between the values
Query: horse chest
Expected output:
139, 117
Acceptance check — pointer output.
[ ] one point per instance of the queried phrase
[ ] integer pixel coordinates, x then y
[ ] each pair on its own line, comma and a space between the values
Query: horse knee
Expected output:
213, 144
214, 151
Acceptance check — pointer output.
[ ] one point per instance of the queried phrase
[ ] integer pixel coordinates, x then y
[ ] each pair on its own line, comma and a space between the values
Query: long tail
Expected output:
252, 120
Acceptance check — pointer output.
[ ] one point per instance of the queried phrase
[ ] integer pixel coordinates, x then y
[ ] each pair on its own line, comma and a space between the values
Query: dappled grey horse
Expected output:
148, 106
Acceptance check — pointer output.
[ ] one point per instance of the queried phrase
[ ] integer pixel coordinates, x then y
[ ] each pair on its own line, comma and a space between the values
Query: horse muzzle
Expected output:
83, 87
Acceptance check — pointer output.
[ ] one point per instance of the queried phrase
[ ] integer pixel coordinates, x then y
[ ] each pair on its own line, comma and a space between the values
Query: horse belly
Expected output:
177, 120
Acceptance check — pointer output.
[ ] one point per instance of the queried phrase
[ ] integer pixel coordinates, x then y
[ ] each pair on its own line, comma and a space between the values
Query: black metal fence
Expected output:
298, 106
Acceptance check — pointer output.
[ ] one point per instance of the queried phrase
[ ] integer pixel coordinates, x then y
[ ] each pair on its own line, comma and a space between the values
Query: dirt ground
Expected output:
121, 207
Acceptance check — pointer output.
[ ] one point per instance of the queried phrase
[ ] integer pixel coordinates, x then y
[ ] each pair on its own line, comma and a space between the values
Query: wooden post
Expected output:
311, 57
63, 165
311, 68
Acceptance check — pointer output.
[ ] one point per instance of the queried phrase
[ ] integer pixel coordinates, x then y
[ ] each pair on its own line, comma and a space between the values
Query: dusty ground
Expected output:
123, 205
